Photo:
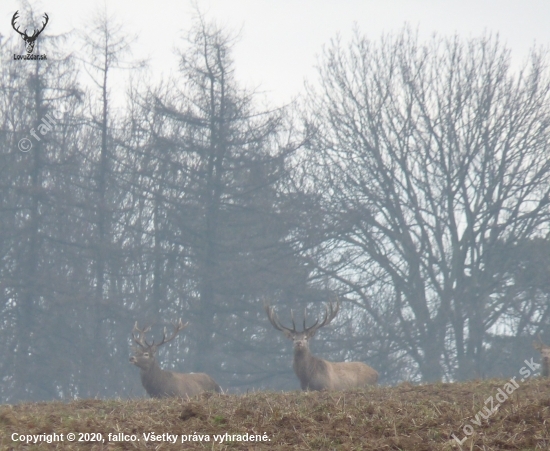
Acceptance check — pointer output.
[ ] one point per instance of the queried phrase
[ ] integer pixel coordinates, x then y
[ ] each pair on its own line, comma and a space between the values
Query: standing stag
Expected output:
315, 373
545, 353
160, 383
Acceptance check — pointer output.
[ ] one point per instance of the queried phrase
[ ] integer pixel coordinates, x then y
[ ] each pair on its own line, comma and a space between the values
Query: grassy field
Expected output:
405, 417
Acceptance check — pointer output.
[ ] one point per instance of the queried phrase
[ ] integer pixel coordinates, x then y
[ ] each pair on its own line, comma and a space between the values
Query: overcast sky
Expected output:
281, 39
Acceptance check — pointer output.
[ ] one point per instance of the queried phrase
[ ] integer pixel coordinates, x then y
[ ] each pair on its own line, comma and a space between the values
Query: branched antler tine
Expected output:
43, 25
292, 318
271, 317
274, 320
333, 311
177, 328
13, 19
139, 336
308, 329
136, 329
326, 320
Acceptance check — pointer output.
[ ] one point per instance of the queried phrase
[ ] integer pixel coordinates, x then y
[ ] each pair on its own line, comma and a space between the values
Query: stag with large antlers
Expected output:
160, 383
315, 373
29, 39
545, 353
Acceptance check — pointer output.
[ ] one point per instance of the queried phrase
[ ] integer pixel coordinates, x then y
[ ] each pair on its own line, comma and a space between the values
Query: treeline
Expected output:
411, 182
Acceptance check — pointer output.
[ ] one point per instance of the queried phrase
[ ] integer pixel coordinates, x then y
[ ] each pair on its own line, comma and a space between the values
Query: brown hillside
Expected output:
405, 417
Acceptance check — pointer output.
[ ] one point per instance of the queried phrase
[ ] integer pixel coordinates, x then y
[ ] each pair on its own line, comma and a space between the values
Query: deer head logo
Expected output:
29, 39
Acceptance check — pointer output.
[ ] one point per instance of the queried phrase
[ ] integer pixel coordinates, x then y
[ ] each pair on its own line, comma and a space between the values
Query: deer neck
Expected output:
303, 354
154, 379
306, 365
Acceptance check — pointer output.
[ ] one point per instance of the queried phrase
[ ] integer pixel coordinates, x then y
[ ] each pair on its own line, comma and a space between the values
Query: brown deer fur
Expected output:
159, 383
545, 357
318, 374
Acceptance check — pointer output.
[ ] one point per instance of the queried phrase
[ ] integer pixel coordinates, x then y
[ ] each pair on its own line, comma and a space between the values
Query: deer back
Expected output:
165, 384
319, 374
349, 375
196, 383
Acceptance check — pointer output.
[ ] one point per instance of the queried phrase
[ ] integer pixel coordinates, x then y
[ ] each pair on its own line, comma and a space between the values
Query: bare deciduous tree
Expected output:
428, 156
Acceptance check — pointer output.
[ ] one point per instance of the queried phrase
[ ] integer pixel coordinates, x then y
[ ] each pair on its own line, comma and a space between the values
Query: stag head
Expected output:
29, 39
144, 352
300, 338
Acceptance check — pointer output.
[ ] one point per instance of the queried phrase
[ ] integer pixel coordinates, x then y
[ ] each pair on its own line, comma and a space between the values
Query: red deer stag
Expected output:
160, 383
545, 353
315, 373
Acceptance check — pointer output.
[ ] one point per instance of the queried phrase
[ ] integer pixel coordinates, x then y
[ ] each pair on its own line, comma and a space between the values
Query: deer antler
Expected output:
329, 316
35, 34
13, 19
139, 336
177, 328
25, 35
274, 320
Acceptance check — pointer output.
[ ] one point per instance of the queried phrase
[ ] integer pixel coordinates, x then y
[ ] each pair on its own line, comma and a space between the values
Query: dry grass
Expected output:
405, 417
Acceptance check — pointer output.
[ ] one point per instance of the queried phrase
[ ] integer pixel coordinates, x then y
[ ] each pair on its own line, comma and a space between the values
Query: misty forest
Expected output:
410, 182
